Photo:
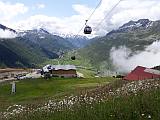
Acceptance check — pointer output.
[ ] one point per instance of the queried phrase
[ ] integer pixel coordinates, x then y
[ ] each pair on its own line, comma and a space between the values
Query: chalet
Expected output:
142, 73
61, 70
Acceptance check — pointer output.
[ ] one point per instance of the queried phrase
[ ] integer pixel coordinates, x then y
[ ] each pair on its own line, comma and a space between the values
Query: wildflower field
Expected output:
81, 99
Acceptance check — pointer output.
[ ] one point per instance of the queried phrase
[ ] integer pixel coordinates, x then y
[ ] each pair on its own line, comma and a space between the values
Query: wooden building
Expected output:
61, 70
142, 73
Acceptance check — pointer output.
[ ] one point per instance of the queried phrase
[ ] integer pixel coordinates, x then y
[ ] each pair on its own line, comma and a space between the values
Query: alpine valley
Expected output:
33, 47
134, 35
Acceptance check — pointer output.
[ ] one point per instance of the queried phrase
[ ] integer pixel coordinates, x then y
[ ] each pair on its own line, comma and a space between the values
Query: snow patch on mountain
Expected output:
7, 34
136, 24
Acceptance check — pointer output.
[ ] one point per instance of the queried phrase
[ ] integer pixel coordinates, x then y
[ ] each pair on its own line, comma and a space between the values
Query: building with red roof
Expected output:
142, 73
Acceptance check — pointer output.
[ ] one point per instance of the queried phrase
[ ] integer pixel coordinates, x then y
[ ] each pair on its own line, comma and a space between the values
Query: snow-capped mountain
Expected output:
31, 47
78, 41
7, 33
136, 36
7, 28
136, 24
70, 35
40, 32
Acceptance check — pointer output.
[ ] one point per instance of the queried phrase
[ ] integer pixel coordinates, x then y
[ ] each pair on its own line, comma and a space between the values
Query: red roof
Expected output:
140, 73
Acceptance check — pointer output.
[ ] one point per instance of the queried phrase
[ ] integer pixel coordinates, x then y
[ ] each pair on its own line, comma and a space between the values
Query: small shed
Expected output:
142, 73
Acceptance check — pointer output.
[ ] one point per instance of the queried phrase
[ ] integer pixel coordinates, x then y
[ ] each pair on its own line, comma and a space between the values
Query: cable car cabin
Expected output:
87, 30
73, 58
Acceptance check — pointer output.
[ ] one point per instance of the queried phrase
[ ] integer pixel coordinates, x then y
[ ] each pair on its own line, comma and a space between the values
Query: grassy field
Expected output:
143, 106
82, 64
66, 59
36, 90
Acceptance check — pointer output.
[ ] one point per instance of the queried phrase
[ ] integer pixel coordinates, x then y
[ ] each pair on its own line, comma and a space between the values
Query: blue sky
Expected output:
57, 8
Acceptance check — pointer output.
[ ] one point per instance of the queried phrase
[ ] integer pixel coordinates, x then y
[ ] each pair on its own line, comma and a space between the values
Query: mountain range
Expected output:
134, 35
32, 47
77, 40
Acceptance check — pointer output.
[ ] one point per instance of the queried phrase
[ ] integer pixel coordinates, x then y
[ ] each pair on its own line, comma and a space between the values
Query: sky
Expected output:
68, 16
57, 8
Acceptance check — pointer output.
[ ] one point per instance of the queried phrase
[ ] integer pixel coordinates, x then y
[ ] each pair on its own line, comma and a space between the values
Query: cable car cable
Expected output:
108, 13
94, 11
90, 16
103, 18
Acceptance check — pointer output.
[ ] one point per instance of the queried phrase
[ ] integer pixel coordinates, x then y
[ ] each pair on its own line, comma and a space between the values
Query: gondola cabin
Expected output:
73, 58
87, 30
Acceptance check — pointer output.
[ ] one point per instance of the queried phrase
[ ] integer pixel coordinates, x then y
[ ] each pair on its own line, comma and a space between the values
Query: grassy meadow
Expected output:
81, 99
36, 90
144, 106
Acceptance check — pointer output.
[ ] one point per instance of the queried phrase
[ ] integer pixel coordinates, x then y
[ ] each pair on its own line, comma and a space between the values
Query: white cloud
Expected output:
125, 63
134, 10
41, 6
52, 24
7, 34
126, 11
9, 11
81, 9
38, 21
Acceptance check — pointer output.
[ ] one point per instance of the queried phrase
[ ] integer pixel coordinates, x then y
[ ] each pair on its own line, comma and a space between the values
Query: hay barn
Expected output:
142, 73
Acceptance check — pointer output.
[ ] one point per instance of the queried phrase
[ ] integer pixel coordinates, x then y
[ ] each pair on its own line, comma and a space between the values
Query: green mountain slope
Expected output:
46, 41
135, 35
31, 48
14, 54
